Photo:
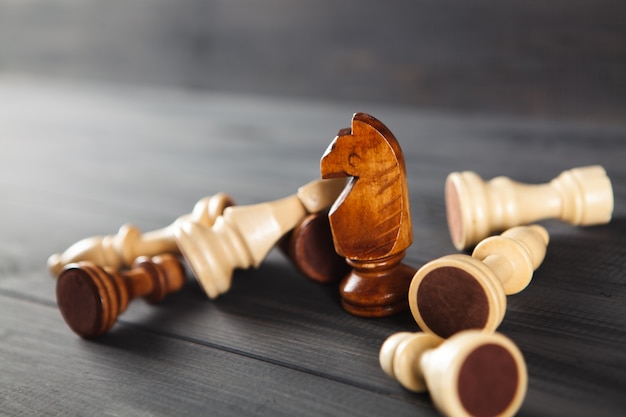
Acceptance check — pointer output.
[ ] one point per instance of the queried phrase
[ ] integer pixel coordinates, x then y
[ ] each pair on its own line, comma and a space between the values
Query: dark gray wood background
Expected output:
79, 160
561, 58
113, 114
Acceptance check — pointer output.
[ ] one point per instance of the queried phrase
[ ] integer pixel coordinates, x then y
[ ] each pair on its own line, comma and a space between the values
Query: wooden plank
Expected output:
114, 159
565, 59
133, 372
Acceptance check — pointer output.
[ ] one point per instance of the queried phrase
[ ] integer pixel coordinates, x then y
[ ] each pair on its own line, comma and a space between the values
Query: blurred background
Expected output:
561, 59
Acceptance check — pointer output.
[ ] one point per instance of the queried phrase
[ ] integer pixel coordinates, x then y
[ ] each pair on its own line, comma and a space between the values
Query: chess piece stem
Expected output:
476, 209
243, 235
459, 292
91, 297
120, 250
471, 374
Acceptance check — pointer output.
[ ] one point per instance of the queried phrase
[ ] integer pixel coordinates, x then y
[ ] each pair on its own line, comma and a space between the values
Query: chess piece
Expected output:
476, 209
120, 250
91, 297
471, 374
459, 292
371, 220
310, 247
243, 235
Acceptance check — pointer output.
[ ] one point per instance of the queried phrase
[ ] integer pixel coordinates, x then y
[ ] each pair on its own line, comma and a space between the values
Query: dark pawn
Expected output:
91, 297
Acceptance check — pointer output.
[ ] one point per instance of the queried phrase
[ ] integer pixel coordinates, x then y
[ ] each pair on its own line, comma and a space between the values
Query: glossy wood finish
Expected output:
310, 247
371, 220
277, 344
91, 297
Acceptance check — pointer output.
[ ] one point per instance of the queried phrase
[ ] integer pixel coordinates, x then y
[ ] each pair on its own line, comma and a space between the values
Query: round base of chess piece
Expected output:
473, 373
458, 292
89, 302
91, 297
376, 289
310, 247
243, 235
454, 293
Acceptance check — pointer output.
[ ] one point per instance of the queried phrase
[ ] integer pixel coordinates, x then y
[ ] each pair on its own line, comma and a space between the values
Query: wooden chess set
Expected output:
352, 227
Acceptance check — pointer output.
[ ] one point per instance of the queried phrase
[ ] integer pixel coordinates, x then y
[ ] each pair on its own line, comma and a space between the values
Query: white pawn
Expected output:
120, 250
243, 235
476, 208
472, 373
458, 292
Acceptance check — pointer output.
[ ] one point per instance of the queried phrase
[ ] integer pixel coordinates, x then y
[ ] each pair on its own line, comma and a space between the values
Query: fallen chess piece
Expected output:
476, 209
243, 235
471, 374
310, 248
459, 292
91, 297
371, 219
120, 250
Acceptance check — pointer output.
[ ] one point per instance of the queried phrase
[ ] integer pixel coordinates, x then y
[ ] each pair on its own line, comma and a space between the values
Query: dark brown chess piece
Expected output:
371, 219
91, 297
310, 247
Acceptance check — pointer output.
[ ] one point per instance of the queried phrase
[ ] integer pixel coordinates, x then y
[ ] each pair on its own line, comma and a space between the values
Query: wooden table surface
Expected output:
78, 160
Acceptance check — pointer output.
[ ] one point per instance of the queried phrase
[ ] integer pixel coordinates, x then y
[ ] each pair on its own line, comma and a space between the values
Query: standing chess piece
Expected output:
476, 209
371, 220
459, 292
243, 235
120, 250
310, 248
471, 374
91, 297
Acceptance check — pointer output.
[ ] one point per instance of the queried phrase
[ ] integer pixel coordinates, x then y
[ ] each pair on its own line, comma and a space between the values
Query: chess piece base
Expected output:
310, 248
455, 293
376, 289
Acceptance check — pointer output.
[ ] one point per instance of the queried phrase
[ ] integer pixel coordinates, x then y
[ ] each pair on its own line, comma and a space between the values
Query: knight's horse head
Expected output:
376, 198
359, 151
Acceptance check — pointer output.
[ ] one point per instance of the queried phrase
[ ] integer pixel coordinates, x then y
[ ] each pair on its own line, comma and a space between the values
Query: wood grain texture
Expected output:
144, 372
79, 160
563, 58
371, 219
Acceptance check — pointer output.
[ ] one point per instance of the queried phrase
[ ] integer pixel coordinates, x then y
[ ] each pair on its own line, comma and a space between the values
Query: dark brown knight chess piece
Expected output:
371, 219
